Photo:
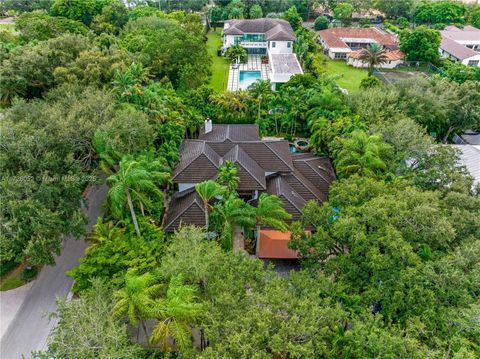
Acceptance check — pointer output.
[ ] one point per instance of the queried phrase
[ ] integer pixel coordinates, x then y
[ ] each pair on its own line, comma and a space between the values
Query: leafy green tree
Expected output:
474, 16
38, 25
236, 53
362, 154
135, 299
235, 9
321, 23
373, 55
293, 17
175, 313
396, 8
343, 12
111, 254
208, 190
420, 44
133, 182
112, 19
83, 11
256, 12
440, 12
87, 329
227, 176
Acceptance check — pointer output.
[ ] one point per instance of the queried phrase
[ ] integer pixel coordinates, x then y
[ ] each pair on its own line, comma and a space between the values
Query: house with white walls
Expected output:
271, 38
461, 45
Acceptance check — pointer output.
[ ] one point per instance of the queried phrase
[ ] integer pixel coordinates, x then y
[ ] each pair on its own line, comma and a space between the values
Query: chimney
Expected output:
208, 125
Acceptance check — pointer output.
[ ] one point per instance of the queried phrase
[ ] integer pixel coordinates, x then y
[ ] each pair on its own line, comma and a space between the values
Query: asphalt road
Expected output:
29, 330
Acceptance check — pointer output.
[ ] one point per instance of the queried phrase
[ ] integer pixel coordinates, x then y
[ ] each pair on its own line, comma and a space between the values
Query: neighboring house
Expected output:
461, 45
347, 43
269, 37
470, 158
263, 166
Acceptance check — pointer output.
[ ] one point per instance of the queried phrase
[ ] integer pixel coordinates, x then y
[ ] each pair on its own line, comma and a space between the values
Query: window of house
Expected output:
289, 44
473, 63
340, 55
274, 43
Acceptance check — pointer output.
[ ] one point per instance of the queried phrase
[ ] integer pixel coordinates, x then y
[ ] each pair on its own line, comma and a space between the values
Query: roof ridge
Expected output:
277, 154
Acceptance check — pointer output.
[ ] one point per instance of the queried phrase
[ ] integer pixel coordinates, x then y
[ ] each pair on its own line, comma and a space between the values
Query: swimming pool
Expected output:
247, 78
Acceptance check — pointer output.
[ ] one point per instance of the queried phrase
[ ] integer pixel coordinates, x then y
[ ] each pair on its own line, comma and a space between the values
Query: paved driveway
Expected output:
30, 328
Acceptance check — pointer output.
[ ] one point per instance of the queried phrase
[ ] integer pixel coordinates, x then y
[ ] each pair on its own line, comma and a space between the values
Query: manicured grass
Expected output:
349, 77
219, 64
12, 279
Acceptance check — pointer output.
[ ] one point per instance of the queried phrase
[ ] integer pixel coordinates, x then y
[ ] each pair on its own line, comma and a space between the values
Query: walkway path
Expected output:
30, 328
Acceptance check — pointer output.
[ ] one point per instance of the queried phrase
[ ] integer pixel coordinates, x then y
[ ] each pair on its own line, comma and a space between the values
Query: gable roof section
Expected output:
316, 170
185, 208
292, 201
252, 176
457, 50
272, 156
274, 29
198, 162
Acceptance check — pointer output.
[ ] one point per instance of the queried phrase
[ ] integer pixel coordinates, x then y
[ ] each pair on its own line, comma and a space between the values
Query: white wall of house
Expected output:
228, 40
338, 53
472, 61
280, 47
359, 63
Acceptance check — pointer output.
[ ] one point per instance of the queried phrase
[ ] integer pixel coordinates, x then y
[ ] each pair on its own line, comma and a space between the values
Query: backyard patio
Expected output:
243, 75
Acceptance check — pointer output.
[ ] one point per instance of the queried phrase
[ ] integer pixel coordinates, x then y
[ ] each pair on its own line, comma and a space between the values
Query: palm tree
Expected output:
261, 90
103, 232
227, 175
208, 190
136, 299
270, 212
108, 156
131, 180
233, 212
235, 52
373, 55
175, 313
362, 154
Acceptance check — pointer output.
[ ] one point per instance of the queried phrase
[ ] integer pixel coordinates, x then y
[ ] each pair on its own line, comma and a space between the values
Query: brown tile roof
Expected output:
292, 201
274, 29
333, 37
185, 208
316, 170
252, 176
234, 133
198, 162
392, 55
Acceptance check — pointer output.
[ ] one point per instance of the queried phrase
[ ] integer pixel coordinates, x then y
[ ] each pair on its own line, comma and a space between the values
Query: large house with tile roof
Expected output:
348, 43
263, 166
461, 45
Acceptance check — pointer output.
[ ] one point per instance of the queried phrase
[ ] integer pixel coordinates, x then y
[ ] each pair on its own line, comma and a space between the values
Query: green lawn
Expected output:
219, 64
349, 77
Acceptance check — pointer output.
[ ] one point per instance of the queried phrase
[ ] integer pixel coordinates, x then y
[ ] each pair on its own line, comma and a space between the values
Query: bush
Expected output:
6, 267
29, 273
321, 23
369, 82
402, 22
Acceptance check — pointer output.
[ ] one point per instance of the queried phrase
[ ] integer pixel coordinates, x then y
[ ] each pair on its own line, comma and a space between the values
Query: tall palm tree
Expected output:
362, 154
261, 90
108, 156
175, 313
270, 212
208, 190
373, 55
232, 212
131, 180
136, 299
227, 175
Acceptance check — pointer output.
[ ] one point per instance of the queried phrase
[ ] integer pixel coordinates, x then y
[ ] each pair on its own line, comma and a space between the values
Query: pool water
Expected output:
247, 78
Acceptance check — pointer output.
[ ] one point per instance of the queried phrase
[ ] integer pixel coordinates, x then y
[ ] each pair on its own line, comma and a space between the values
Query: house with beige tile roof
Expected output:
461, 45
348, 43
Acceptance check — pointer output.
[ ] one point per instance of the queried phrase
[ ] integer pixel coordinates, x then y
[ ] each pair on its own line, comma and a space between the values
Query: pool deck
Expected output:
254, 63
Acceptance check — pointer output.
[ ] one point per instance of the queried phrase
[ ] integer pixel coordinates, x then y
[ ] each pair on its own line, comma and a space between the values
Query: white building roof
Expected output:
285, 64
470, 158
